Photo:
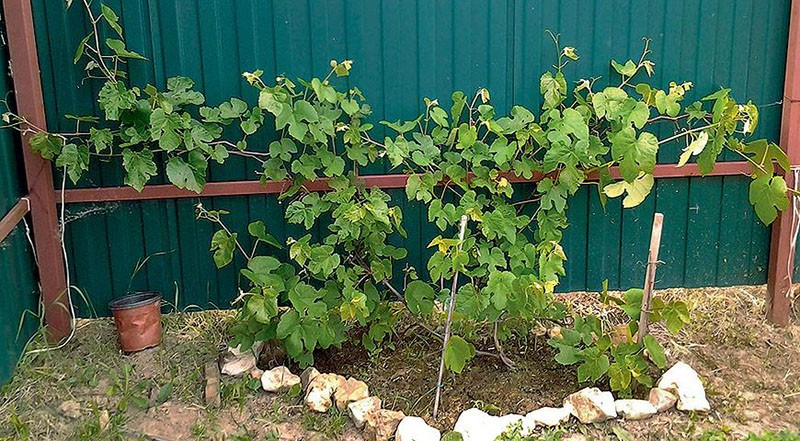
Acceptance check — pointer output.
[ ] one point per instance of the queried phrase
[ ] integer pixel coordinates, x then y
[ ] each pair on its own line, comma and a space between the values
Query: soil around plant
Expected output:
90, 391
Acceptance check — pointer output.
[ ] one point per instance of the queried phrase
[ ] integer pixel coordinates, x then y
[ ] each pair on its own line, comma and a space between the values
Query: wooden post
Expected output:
781, 256
650, 274
38, 172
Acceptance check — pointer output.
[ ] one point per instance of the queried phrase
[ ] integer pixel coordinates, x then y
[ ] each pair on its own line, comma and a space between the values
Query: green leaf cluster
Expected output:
613, 353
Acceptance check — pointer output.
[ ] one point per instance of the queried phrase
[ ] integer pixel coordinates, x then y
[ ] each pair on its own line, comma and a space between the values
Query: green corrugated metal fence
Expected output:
404, 50
18, 287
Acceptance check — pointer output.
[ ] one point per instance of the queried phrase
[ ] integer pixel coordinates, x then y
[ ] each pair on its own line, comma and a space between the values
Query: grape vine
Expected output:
462, 158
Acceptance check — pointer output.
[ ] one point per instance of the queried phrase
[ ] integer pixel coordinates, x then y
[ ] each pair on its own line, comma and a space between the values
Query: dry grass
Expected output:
752, 370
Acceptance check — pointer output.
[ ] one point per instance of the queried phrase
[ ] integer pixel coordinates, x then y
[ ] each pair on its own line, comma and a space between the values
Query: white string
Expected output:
795, 227
63, 225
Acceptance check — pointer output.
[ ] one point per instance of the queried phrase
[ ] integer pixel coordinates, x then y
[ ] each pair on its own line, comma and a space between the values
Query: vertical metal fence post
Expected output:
38, 172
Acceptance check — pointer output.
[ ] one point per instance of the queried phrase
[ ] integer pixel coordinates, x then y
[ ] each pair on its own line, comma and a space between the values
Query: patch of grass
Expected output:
239, 390
90, 369
272, 435
96, 429
19, 428
514, 433
715, 434
331, 424
770, 436
200, 431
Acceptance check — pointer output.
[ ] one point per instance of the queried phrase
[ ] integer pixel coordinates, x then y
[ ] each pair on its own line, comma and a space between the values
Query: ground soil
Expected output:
89, 390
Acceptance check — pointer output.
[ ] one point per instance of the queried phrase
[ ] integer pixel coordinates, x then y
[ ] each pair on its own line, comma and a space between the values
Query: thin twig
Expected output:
449, 322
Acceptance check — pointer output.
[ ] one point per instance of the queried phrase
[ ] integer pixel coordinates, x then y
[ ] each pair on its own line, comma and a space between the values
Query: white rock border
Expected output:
679, 385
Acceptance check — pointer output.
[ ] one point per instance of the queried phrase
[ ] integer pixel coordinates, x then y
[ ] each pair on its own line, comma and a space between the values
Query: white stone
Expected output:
547, 416
634, 409
477, 425
308, 375
591, 405
359, 410
416, 429
661, 399
350, 391
685, 382
278, 379
382, 424
320, 391
235, 361
236, 365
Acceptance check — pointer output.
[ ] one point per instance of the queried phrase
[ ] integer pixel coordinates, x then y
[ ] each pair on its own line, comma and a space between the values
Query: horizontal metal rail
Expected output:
244, 188
14, 217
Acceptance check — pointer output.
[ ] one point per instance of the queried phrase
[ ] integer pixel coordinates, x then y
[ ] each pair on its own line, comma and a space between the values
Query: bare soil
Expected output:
89, 390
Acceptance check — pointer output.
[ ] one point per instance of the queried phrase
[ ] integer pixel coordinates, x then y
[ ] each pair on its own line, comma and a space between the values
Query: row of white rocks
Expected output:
325, 391
679, 385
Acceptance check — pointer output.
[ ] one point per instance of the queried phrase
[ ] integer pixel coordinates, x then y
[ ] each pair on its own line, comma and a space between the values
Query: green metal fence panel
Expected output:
18, 287
404, 50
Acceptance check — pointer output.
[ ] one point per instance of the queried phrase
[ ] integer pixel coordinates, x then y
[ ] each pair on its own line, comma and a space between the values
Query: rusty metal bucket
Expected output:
138, 319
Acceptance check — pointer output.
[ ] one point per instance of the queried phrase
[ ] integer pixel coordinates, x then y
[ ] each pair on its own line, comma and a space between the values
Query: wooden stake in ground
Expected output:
450, 308
212, 397
650, 274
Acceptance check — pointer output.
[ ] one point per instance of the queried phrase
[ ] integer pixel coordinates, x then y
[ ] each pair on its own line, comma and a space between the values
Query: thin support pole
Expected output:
448, 323
650, 274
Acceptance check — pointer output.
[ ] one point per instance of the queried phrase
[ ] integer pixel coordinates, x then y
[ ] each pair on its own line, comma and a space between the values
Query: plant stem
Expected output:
684, 133
449, 322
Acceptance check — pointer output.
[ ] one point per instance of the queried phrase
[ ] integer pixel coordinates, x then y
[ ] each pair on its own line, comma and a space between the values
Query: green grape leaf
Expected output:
655, 351
632, 304
111, 18
139, 167
114, 98
553, 88
439, 116
419, 297
619, 376
283, 149
258, 230
768, 196
567, 355
103, 139
636, 191
635, 155
499, 287
628, 69
609, 102
675, 315
81, 48
223, 245
595, 365
288, 324
188, 175
76, 160
46, 145
274, 170
765, 154
694, 148
262, 309
118, 46
457, 353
